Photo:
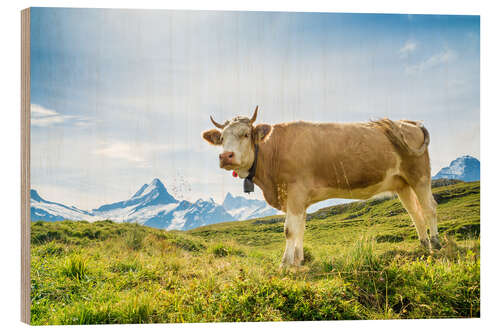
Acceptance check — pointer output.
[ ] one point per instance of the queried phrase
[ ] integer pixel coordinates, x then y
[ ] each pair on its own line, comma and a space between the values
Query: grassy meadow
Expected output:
363, 261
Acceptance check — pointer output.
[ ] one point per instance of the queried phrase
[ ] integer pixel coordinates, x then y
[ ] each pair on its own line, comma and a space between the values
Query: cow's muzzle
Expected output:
226, 159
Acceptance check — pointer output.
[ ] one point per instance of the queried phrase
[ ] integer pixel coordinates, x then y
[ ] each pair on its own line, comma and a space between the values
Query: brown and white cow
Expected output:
300, 163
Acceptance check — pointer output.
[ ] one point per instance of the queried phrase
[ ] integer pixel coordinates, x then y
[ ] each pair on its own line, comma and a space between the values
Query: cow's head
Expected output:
237, 138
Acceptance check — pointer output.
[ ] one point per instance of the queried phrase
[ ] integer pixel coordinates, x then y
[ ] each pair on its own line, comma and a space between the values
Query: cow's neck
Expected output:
265, 173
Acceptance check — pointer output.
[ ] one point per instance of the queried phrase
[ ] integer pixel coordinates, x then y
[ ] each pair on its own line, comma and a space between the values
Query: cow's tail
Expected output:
394, 132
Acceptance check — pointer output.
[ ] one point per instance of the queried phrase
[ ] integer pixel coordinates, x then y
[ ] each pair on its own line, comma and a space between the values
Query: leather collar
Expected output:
248, 185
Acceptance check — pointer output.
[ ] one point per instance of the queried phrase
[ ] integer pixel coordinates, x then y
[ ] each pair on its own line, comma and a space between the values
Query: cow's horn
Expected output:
216, 123
254, 117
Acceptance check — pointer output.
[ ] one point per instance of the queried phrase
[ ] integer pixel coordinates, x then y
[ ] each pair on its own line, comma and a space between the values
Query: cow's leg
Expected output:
299, 243
295, 224
429, 205
411, 203
294, 234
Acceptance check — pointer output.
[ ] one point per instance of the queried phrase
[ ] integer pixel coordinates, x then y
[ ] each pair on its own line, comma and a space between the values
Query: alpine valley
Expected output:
153, 206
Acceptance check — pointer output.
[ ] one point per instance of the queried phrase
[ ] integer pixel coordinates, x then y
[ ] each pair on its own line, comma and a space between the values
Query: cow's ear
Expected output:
261, 131
212, 136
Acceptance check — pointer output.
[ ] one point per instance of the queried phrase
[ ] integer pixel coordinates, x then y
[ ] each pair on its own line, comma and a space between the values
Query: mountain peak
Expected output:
150, 194
230, 201
156, 182
154, 193
467, 158
466, 168
35, 196
155, 185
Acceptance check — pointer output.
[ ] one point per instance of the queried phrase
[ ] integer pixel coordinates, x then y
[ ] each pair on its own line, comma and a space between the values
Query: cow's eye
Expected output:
246, 135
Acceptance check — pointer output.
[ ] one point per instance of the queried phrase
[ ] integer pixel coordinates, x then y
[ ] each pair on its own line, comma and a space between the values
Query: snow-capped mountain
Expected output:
190, 215
466, 168
152, 206
242, 208
150, 200
52, 211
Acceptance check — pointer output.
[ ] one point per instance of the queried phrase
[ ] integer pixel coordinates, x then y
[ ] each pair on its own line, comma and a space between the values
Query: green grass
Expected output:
75, 268
362, 261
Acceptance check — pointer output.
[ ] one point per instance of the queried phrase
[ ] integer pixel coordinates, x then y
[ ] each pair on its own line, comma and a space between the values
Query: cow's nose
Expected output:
226, 157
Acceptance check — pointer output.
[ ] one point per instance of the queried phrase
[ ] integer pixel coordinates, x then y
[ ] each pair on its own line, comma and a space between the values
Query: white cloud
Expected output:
137, 152
433, 61
121, 150
40, 111
409, 47
43, 117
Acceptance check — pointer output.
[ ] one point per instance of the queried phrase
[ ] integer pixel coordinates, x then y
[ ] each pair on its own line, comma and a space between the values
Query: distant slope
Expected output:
45, 210
386, 219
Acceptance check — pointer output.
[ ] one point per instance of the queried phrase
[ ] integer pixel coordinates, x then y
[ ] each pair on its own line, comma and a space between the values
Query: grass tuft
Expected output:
75, 268
224, 250
135, 237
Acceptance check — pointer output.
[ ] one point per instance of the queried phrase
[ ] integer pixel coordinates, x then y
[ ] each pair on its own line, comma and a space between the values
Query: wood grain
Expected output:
25, 166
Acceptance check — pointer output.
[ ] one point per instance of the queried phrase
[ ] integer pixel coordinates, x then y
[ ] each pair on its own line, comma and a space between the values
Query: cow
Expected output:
297, 164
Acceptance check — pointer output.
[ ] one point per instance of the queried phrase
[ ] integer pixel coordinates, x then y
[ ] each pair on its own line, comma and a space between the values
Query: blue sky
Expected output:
120, 97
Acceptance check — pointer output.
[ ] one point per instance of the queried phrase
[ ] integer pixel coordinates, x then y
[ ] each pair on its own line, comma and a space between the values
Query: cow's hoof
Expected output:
436, 245
425, 244
285, 269
285, 266
298, 263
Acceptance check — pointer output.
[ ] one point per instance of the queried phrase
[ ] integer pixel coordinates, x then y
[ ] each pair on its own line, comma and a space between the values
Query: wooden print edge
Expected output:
25, 167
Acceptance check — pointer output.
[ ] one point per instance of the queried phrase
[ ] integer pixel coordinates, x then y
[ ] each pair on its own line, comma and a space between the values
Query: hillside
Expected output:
362, 262
384, 219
